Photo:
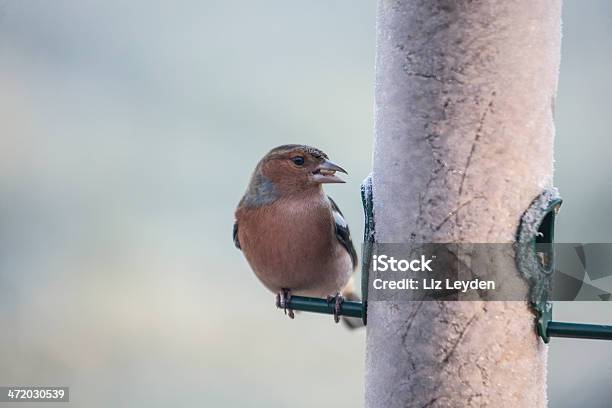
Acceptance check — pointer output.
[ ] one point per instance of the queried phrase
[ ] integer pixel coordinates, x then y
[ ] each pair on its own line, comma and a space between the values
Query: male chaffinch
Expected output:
292, 234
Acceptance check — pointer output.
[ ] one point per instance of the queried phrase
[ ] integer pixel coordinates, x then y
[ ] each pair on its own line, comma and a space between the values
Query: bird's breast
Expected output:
292, 244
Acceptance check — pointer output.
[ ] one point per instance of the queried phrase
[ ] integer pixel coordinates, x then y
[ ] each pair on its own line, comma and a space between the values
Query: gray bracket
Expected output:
535, 254
368, 241
535, 258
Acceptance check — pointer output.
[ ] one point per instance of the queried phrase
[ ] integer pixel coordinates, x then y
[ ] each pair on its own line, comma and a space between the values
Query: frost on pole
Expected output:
464, 133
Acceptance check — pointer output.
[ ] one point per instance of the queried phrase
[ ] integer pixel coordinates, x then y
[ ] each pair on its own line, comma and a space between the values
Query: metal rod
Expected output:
579, 331
317, 305
355, 309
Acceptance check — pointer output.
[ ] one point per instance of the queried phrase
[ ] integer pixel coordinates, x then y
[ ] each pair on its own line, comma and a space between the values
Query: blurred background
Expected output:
128, 131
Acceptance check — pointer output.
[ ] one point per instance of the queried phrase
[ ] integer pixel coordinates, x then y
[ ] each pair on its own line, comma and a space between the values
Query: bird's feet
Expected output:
337, 301
282, 301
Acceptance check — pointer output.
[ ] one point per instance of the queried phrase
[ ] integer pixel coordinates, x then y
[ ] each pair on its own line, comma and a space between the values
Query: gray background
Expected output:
128, 132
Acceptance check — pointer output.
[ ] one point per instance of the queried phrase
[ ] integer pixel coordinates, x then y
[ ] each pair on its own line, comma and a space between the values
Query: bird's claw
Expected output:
337, 300
282, 301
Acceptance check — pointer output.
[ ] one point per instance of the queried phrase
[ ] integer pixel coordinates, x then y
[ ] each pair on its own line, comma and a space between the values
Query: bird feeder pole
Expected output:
464, 131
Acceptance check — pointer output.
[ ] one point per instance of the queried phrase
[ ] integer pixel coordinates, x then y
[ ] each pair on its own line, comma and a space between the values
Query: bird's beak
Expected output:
326, 173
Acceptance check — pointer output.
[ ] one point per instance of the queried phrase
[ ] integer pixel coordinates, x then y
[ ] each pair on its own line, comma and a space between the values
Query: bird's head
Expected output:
291, 168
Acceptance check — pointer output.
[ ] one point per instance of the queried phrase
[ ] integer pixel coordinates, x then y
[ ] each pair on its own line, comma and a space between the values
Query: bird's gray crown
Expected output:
313, 151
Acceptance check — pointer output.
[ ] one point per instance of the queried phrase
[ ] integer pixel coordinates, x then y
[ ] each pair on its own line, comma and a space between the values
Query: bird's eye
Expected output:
298, 160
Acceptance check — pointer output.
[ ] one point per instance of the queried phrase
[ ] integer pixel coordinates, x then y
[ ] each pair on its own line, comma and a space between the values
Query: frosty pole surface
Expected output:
464, 133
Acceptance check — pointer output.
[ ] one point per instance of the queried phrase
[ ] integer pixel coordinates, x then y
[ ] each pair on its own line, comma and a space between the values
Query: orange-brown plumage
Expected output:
292, 234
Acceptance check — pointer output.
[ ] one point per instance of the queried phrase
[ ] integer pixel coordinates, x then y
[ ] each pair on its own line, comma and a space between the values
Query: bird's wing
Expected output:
342, 232
235, 234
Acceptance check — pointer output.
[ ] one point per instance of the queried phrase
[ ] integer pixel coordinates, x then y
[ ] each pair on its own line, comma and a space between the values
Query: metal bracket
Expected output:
535, 259
535, 255
368, 240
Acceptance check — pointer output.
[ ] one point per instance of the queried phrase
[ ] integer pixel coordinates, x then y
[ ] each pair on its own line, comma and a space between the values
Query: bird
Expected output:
294, 236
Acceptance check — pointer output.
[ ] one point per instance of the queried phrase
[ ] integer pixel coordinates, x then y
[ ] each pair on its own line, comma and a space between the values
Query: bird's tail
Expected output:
348, 292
